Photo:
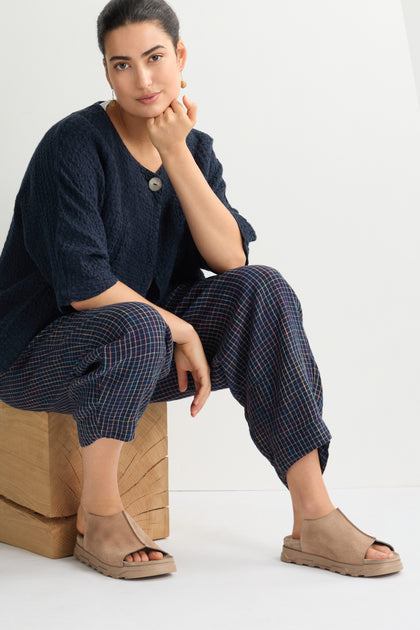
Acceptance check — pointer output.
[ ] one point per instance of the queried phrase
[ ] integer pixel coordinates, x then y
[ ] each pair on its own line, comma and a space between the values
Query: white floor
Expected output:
227, 547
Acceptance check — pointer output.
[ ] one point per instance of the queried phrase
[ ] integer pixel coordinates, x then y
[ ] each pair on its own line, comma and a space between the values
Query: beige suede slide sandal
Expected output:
332, 542
109, 539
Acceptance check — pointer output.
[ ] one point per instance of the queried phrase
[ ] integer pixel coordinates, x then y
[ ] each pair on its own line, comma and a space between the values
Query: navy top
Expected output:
85, 217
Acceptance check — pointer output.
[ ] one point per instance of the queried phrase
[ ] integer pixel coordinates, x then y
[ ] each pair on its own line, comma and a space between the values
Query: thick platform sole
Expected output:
370, 568
130, 570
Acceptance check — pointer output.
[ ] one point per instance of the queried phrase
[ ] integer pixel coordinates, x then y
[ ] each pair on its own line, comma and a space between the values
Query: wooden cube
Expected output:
41, 478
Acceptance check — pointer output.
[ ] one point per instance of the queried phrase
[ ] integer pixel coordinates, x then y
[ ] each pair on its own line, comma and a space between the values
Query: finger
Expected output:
177, 106
168, 114
199, 401
191, 109
202, 392
171, 112
154, 123
182, 379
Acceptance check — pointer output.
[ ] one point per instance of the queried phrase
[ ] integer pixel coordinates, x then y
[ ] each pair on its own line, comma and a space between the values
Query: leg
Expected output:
100, 493
250, 322
307, 491
102, 365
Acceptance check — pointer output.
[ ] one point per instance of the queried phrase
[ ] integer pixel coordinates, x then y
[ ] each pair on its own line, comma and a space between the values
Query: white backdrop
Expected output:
313, 109
411, 10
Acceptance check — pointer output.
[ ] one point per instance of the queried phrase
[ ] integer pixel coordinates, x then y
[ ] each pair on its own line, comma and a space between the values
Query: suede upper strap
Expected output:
112, 538
334, 536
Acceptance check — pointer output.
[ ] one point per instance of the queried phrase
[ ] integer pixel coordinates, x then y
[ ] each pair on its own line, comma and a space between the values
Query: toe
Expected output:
378, 552
143, 556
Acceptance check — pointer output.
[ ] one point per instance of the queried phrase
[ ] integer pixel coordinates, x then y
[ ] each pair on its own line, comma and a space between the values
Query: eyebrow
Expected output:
145, 54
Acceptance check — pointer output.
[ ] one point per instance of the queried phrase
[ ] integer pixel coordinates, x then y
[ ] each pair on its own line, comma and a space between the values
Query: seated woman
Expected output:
105, 308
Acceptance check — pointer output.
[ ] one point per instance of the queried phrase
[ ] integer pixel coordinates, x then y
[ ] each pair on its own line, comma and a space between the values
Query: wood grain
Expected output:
41, 478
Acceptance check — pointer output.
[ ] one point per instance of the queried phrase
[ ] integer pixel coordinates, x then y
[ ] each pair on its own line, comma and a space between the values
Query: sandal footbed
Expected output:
129, 570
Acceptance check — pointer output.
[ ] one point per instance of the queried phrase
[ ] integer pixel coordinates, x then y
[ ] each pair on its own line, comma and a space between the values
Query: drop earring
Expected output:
114, 101
183, 83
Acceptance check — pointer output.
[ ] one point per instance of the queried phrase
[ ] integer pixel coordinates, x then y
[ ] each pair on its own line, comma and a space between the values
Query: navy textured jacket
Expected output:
85, 217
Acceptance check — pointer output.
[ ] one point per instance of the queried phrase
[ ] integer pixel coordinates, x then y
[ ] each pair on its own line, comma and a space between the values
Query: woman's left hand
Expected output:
170, 129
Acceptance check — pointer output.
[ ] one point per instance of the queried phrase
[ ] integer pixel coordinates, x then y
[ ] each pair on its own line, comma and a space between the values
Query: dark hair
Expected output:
121, 12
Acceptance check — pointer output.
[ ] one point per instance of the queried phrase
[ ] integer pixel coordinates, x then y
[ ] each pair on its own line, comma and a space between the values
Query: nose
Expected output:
143, 77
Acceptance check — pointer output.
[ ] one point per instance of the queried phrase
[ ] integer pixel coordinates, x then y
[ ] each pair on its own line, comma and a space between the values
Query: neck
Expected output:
133, 128
133, 132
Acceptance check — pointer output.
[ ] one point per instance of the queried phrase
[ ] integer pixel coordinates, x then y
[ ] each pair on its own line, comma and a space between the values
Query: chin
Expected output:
152, 111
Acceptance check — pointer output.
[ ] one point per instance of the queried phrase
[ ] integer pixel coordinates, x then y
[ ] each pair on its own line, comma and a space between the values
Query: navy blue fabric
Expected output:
105, 365
85, 217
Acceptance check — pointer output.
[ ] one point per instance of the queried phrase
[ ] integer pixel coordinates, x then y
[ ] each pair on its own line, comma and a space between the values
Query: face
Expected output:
143, 68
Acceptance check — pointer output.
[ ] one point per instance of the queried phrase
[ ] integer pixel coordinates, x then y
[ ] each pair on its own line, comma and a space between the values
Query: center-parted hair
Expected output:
121, 12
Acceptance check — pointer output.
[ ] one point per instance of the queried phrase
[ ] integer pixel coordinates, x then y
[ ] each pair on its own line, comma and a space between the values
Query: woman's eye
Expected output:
156, 57
120, 65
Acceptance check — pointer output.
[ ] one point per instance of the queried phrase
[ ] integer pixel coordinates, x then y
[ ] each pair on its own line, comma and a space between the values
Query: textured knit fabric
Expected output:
85, 218
105, 365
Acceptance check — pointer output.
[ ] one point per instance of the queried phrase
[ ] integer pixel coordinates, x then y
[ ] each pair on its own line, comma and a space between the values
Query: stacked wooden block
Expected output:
41, 478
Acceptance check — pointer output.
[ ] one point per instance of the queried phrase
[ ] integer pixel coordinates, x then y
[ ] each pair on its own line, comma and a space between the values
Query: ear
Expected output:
181, 53
106, 73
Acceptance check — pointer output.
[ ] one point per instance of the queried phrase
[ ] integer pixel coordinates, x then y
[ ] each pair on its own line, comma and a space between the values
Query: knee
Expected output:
269, 285
140, 323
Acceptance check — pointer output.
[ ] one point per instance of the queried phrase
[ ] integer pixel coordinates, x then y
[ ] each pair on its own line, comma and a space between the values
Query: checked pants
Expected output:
106, 364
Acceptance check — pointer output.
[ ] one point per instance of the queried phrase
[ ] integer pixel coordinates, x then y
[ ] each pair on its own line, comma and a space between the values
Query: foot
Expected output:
375, 552
142, 555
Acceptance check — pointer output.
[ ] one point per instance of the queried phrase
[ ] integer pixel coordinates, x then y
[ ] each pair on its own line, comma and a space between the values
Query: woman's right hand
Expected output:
189, 357
188, 351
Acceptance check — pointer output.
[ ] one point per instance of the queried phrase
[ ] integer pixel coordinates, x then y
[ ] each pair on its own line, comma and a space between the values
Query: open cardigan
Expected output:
85, 217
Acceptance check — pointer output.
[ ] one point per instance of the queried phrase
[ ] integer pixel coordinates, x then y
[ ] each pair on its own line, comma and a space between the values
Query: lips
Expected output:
149, 98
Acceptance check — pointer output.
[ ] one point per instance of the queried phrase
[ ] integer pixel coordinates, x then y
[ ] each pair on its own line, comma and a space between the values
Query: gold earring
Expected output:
113, 102
183, 83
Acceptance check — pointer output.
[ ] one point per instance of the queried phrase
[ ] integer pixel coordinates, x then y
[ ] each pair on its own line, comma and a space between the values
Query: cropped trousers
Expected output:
105, 365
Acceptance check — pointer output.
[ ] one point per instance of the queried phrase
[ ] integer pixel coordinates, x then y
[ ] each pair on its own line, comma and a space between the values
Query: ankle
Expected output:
104, 507
314, 509
307, 511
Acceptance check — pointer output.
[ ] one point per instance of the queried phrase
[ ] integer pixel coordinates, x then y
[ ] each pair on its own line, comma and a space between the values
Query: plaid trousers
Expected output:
106, 364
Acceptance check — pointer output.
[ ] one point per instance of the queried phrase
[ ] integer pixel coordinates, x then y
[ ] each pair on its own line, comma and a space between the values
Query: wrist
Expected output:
174, 153
184, 333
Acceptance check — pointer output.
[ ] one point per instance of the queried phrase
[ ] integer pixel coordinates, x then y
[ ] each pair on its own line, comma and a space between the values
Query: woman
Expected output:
105, 308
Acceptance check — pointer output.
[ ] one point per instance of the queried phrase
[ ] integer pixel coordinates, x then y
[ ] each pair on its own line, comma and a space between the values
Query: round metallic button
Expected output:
155, 184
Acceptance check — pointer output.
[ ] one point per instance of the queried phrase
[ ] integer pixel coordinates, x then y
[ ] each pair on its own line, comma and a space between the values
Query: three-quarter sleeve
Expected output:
63, 229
